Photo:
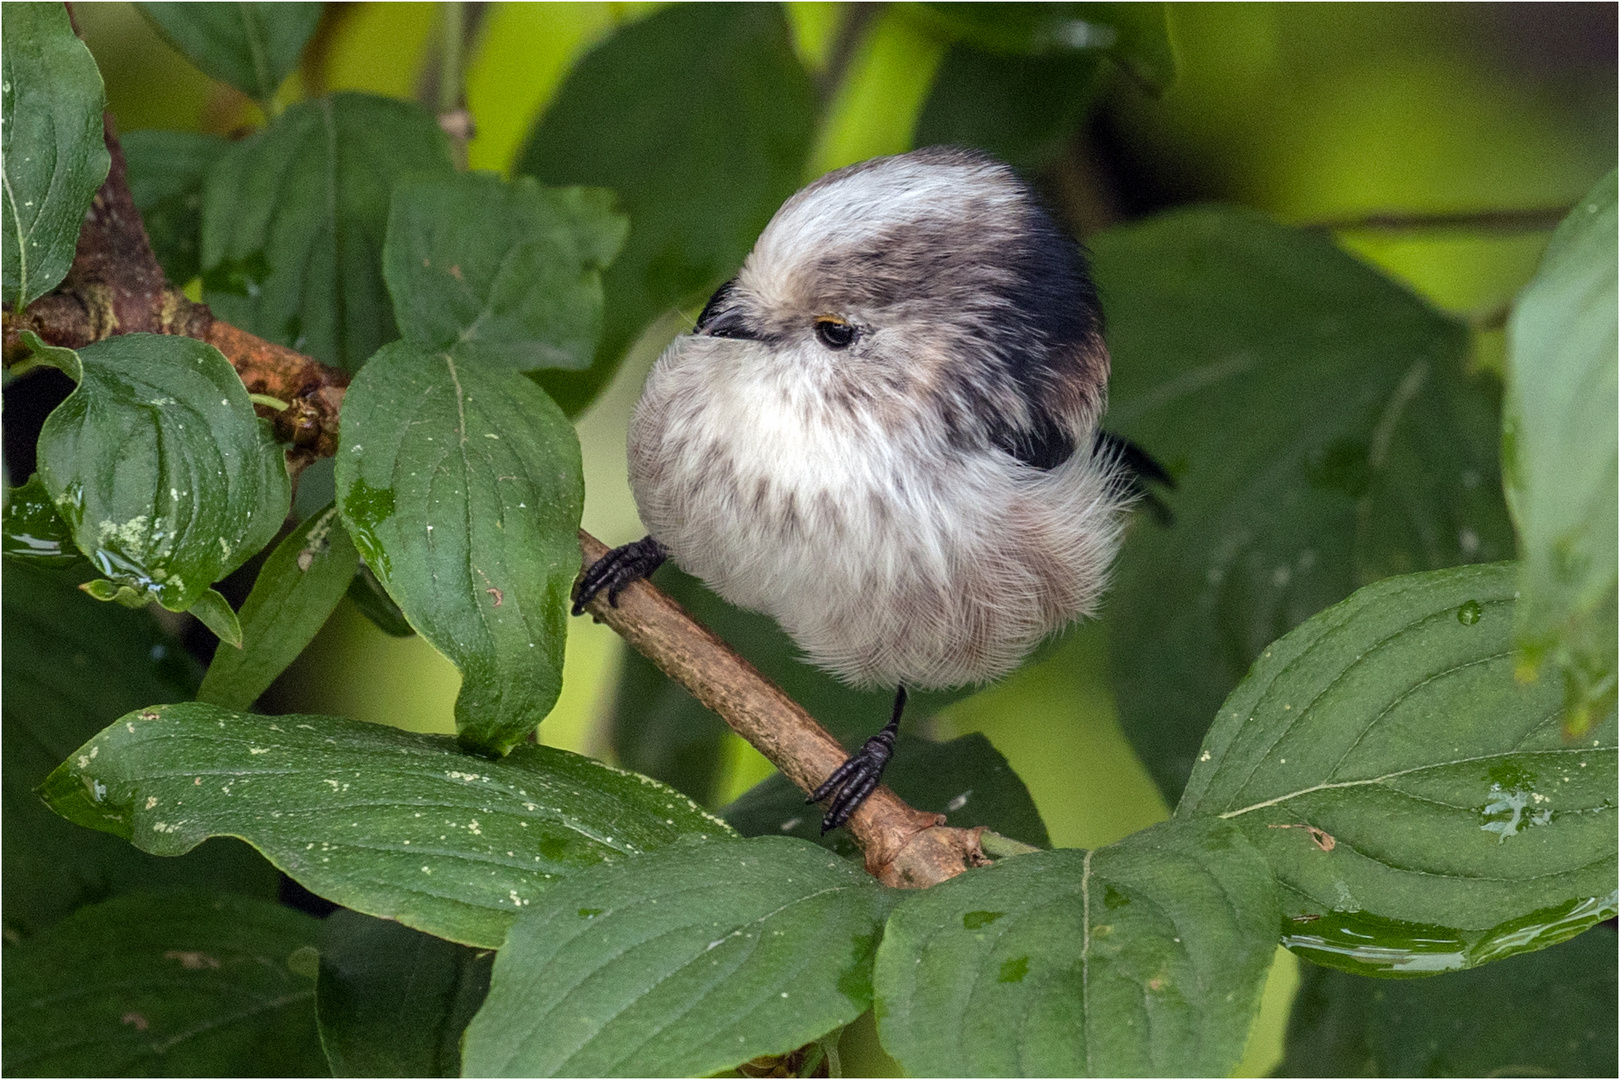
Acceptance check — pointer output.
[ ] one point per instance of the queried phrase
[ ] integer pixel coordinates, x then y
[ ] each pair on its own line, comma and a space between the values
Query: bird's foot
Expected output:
617, 569
854, 780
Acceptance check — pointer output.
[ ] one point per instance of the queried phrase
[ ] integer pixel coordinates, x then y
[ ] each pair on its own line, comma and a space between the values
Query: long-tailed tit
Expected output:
883, 433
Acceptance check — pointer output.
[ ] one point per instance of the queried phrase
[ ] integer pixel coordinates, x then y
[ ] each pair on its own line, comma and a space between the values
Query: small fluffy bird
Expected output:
883, 433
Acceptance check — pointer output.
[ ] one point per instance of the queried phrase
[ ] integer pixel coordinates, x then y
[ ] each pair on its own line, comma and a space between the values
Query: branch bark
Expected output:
116, 286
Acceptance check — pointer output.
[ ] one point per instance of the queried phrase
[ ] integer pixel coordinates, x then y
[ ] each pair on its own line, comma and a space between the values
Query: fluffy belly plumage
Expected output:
888, 561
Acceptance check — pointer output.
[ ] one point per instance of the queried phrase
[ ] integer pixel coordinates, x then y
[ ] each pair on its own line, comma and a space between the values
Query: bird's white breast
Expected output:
887, 555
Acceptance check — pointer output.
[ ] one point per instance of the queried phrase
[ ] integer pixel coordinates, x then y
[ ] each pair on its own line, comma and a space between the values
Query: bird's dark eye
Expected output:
835, 333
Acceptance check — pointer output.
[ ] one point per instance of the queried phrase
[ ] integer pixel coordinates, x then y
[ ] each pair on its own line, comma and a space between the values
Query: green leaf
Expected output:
965, 779
663, 731
159, 467
1324, 434
294, 218
700, 118
387, 822
52, 145
392, 1001
34, 531
297, 588
1019, 78
1144, 958
1419, 807
1137, 36
690, 961
1559, 459
166, 984
1021, 109
375, 604
251, 46
505, 273
1551, 1013
72, 665
461, 485
167, 171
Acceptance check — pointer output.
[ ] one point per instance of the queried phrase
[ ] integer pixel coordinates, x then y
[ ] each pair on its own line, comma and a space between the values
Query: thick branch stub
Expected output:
904, 847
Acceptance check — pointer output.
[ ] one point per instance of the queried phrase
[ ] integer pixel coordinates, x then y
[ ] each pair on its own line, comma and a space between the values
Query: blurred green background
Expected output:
1439, 142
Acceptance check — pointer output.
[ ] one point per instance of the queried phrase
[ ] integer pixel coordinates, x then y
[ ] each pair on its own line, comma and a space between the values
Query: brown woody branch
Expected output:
117, 287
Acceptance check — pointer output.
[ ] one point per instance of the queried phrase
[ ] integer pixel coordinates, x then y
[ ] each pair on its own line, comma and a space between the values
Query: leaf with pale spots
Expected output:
387, 822
159, 467
1420, 807
461, 485
1143, 958
686, 962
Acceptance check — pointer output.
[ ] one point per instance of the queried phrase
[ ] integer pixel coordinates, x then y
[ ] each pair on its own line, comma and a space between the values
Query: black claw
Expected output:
854, 780
617, 569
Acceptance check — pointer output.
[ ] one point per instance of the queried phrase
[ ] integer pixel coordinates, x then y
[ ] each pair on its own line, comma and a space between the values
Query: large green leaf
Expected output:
503, 272
700, 118
182, 983
690, 961
1551, 1013
1324, 434
70, 666
461, 485
159, 467
663, 731
1560, 462
1020, 77
297, 588
388, 822
1144, 958
294, 218
251, 46
393, 1001
1137, 36
55, 157
1418, 805
965, 779
167, 171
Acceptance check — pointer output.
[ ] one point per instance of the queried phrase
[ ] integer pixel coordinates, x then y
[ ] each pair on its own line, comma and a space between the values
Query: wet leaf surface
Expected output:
178, 983
1560, 464
1146, 957
1420, 807
686, 962
52, 146
1551, 1013
461, 485
159, 467
387, 822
